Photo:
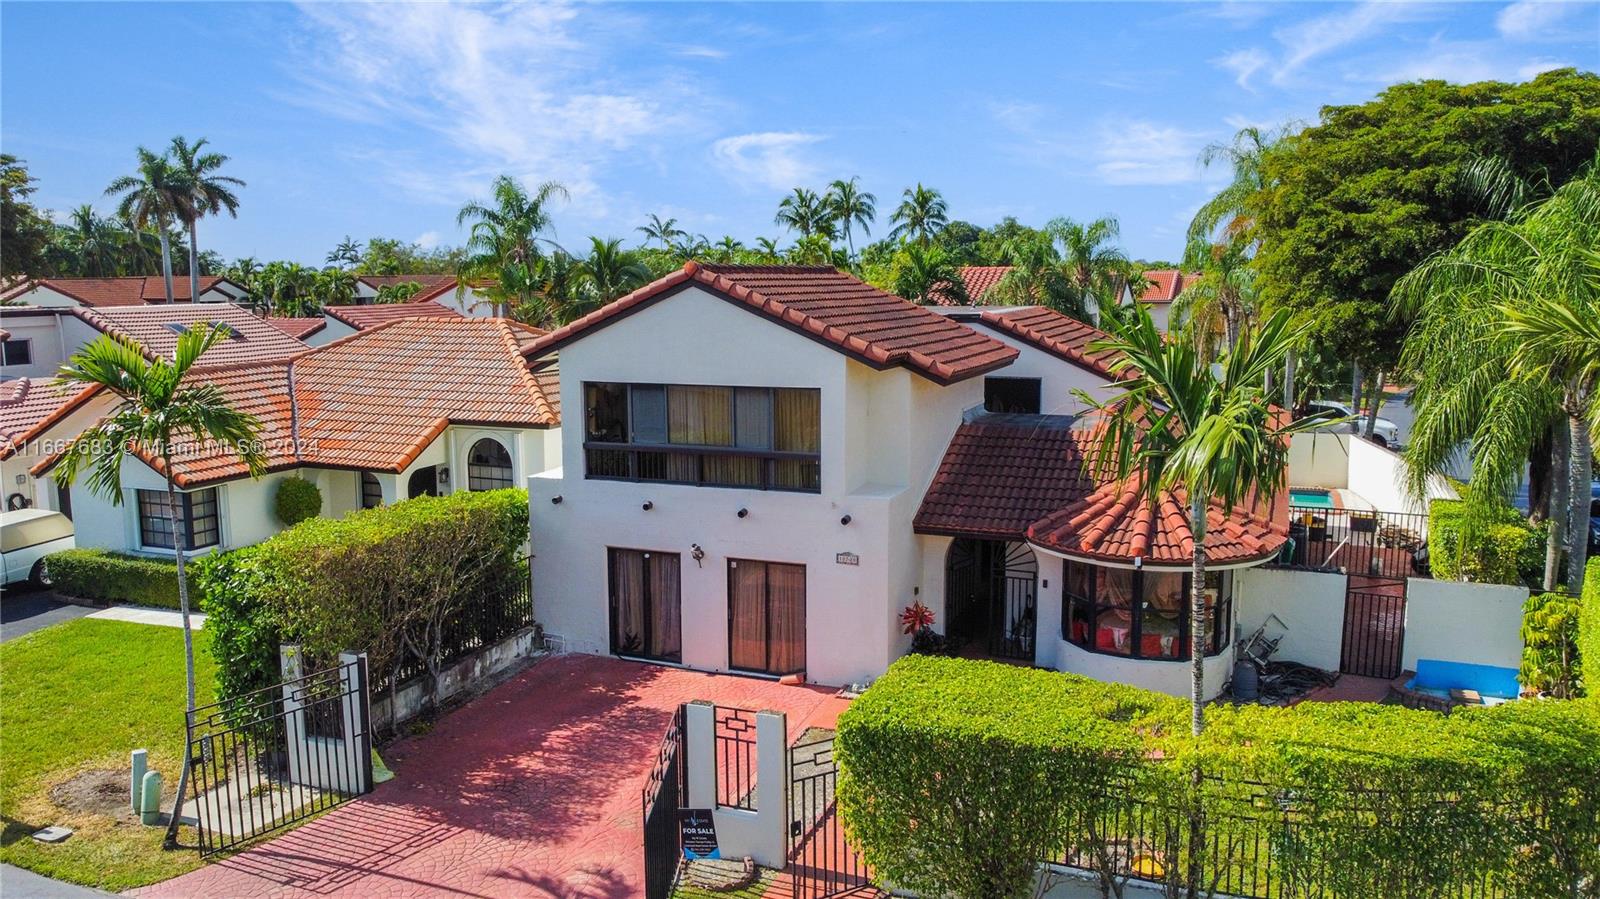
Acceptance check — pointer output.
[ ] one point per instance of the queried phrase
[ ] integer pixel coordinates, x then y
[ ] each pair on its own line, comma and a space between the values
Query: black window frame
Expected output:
201, 515
486, 475
635, 461
7, 348
1075, 606
371, 491
994, 385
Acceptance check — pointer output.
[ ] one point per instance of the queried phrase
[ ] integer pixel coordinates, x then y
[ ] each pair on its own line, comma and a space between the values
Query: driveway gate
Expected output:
661, 800
821, 862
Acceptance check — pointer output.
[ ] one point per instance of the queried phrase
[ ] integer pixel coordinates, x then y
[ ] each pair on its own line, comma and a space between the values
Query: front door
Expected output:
766, 617
991, 598
646, 605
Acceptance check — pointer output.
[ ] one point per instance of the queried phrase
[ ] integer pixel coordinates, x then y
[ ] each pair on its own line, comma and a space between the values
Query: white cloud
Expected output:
1243, 64
1306, 41
427, 240
1529, 20
1461, 62
769, 159
1140, 152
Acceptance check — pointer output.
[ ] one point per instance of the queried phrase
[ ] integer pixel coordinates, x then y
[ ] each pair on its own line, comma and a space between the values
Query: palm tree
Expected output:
1204, 433
768, 248
209, 194
1233, 208
922, 213
159, 410
1036, 277
347, 253
609, 271
1223, 298
337, 287
152, 199
928, 276
727, 249
665, 232
510, 231
804, 212
851, 206
1498, 352
1092, 264
95, 244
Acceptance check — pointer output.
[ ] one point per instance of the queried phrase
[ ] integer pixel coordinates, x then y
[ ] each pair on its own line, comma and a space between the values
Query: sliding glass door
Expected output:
766, 617
646, 620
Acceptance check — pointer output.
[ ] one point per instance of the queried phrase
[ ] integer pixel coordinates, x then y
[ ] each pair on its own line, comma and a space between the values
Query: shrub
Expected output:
1550, 644
1589, 629
297, 499
384, 581
1500, 550
956, 776
106, 576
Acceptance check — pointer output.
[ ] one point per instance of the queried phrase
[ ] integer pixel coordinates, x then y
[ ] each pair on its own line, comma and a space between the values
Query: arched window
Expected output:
488, 466
371, 491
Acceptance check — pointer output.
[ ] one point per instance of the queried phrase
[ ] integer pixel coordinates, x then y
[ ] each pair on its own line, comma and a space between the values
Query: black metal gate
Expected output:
822, 863
275, 756
992, 588
1374, 627
662, 792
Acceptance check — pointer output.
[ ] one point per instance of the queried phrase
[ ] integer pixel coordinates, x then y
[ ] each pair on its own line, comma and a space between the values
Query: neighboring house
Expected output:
31, 410
772, 462
300, 327
1165, 286
31, 341
442, 288
138, 290
414, 406
342, 321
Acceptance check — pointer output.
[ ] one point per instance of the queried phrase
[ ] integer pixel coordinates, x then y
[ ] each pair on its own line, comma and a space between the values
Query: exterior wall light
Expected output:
648, 505
744, 513
555, 500
845, 520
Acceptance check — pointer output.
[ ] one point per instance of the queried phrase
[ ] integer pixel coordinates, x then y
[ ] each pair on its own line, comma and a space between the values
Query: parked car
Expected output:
27, 536
1384, 432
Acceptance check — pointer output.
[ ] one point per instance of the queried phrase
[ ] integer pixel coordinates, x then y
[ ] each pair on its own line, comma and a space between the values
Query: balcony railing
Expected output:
1355, 541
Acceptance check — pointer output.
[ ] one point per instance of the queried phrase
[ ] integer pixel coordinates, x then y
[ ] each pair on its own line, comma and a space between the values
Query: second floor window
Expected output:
767, 438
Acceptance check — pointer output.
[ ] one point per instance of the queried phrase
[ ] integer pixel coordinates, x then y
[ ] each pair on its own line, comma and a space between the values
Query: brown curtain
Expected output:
747, 615
627, 602
666, 604
700, 416
786, 585
797, 428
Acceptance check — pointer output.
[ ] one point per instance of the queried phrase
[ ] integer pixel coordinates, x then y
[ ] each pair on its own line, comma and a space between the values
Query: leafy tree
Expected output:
768, 249
153, 198
922, 213
337, 287
510, 231
1223, 298
93, 247
24, 232
728, 249
805, 213
1096, 269
159, 410
963, 242
1037, 278
925, 275
347, 254
208, 193
851, 206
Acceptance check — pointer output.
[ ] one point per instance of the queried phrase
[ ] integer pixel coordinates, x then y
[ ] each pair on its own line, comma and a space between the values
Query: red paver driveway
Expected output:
530, 790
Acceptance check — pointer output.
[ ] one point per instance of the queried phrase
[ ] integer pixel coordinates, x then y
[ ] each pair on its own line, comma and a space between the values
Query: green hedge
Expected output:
357, 582
296, 500
956, 776
1589, 629
105, 576
1502, 550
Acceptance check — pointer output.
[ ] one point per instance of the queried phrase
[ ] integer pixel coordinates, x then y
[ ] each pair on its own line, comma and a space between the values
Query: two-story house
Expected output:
765, 465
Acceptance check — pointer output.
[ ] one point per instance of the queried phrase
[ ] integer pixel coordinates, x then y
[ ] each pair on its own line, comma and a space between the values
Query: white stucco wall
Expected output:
1057, 377
1461, 622
42, 330
1378, 474
332, 330
1310, 605
1319, 459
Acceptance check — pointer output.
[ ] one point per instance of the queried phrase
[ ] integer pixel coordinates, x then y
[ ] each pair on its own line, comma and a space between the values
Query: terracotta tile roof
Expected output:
254, 340
364, 317
29, 405
298, 327
980, 279
1058, 334
375, 400
1015, 477
428, 282
131, 291
1166, 284
827, 305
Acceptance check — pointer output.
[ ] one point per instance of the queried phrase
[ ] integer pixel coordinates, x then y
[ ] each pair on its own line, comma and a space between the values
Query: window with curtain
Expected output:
197, 507
371, 491
766, 617
766, 438
646, 605
488, 466
1143, 614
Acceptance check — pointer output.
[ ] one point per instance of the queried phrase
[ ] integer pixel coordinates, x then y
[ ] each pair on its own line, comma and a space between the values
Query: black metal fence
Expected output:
735, 732
1013, 627
1382, 544
663, 793
822, 862
276, 756
488, 618
1374, 630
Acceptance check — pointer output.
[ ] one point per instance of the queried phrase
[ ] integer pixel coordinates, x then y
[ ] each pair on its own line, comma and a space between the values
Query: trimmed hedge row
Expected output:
956, 777
1589, 629
1504, 550
106, 576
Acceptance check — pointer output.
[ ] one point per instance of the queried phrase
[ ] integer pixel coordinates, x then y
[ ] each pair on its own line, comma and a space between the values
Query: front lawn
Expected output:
77, 698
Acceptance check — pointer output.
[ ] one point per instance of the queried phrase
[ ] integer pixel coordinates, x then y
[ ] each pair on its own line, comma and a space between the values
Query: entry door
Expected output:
766, 617
646, 605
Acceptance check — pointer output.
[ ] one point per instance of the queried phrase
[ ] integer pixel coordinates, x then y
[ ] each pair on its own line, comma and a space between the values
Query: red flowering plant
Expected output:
917, 620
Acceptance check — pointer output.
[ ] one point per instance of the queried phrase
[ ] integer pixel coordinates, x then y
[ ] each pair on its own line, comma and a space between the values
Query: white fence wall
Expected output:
1378, 474
1310, 605
1461, 622
1320, 459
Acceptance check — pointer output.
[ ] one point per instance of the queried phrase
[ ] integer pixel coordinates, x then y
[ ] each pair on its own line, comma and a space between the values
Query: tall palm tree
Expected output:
152, 199
851, 206
803, 212
159, 410
95, 244
1092, 263
1204, 433
1223, 298
667, 233
928, 276
337, 287
510, 231
727, 249
1036, 277
1233, 208
609, 271
922, 213
1496, 349
768, 248
347, 253
208, 194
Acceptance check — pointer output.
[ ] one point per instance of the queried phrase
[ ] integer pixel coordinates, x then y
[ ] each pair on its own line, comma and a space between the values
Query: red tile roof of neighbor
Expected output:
131, 291
29, 405
1056, 333
826, 305
253, 340
375, 400
1166, 284
1016, 477
364, 317
979, 279
298, 327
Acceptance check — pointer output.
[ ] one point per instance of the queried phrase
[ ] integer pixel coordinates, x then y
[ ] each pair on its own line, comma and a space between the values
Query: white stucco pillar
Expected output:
761, 834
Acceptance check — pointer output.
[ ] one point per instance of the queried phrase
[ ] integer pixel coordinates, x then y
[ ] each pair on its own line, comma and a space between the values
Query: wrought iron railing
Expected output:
491, 616
1355, 541
735, 731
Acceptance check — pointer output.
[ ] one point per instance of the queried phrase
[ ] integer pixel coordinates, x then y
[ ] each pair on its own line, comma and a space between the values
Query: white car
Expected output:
27, 536
1385, 432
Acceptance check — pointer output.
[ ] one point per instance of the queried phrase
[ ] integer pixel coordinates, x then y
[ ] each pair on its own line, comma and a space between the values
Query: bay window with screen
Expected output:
197, 507
1141, 614
764, 438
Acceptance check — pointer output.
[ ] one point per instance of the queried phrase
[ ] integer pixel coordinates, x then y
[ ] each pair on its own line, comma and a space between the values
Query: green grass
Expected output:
79, 696
756, 890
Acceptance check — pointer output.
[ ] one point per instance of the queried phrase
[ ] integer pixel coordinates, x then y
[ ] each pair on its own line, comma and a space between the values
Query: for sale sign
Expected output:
699, 833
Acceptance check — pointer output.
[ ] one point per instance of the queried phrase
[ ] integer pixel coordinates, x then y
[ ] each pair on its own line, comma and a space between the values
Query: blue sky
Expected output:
384, 119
